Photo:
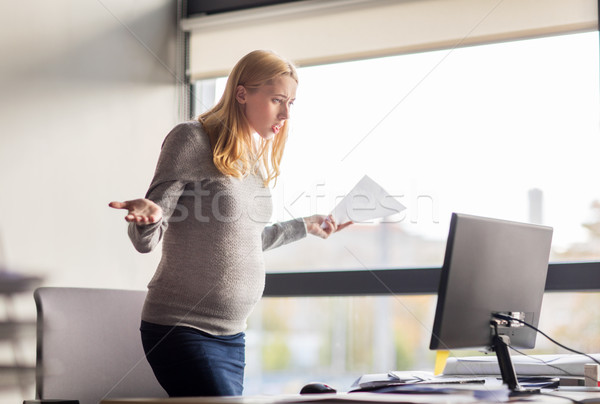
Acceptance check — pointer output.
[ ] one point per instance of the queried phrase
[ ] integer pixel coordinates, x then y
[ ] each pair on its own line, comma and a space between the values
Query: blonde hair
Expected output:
228, 128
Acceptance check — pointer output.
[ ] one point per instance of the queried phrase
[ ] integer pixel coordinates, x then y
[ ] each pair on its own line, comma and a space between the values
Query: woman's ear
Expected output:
240, 94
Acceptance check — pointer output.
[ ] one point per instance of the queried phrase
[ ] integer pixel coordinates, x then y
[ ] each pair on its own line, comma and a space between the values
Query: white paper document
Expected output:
366, 201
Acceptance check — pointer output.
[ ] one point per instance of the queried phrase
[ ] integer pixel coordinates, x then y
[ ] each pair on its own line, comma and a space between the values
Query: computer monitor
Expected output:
491, 267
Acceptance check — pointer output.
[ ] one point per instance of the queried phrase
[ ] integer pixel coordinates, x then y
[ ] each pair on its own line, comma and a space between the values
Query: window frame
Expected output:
562, 277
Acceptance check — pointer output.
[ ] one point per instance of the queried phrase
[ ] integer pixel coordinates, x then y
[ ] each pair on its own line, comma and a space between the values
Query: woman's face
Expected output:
268, 107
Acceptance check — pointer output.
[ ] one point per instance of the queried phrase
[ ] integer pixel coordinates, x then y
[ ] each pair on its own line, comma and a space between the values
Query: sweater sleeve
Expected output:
283, 233
177, 166
165, 195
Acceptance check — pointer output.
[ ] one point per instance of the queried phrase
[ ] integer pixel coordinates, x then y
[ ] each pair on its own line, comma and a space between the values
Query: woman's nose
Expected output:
284, 112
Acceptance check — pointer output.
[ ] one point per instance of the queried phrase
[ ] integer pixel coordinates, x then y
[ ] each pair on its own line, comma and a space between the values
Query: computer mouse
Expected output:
317, 388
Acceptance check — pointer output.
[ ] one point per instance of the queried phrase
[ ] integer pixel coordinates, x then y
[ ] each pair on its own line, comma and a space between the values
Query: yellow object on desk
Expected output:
440, 362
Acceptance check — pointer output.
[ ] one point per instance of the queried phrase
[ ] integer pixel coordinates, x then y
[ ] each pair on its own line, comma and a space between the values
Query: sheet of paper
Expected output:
534, 365
366, 201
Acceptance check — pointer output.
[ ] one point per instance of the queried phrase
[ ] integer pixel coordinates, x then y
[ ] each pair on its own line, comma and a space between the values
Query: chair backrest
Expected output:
89, 346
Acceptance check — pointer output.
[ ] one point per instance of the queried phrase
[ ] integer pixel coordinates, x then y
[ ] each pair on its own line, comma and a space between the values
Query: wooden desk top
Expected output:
554, 397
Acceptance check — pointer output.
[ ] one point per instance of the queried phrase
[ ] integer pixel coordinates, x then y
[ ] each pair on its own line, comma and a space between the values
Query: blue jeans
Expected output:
188, 362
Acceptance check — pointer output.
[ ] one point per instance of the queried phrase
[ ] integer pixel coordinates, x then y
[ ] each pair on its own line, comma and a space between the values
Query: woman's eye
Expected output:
277, 100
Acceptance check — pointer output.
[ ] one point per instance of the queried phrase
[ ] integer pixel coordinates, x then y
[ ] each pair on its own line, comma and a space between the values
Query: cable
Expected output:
508, 318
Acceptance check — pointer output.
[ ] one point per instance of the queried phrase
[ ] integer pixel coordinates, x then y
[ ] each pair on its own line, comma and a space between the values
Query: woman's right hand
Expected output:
140, 211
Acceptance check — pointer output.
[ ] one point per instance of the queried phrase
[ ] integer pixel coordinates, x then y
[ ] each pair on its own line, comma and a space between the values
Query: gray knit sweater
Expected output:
213, 231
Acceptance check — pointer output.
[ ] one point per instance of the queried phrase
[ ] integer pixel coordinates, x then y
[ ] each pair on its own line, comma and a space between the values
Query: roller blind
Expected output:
326, 31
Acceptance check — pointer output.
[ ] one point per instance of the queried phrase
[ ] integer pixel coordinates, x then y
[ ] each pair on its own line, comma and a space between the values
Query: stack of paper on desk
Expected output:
535, 365
379, 381
375, 380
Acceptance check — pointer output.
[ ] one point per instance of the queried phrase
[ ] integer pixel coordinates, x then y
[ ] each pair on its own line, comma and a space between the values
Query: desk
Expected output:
557, 397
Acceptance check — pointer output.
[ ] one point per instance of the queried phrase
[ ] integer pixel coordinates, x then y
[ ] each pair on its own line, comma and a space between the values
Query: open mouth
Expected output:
276, 128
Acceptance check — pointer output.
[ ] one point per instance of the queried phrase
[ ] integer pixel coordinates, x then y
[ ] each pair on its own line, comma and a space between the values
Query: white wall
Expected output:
87, 94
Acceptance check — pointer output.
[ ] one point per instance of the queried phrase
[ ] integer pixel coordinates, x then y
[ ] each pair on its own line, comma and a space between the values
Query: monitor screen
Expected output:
491, 266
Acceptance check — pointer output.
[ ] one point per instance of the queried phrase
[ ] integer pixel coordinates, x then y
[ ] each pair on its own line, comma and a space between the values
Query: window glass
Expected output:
294, 341
507, 130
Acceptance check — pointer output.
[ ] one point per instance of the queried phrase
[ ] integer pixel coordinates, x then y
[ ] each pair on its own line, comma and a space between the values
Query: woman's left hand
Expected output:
323, 226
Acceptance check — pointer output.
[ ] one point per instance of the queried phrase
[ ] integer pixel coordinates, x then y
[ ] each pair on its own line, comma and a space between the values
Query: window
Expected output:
293, 341
507, 130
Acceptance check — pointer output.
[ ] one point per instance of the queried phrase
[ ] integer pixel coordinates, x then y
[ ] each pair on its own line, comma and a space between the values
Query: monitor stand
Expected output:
500, 345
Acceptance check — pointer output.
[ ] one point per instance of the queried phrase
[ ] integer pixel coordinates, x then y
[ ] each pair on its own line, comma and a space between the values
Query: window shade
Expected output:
327, 31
